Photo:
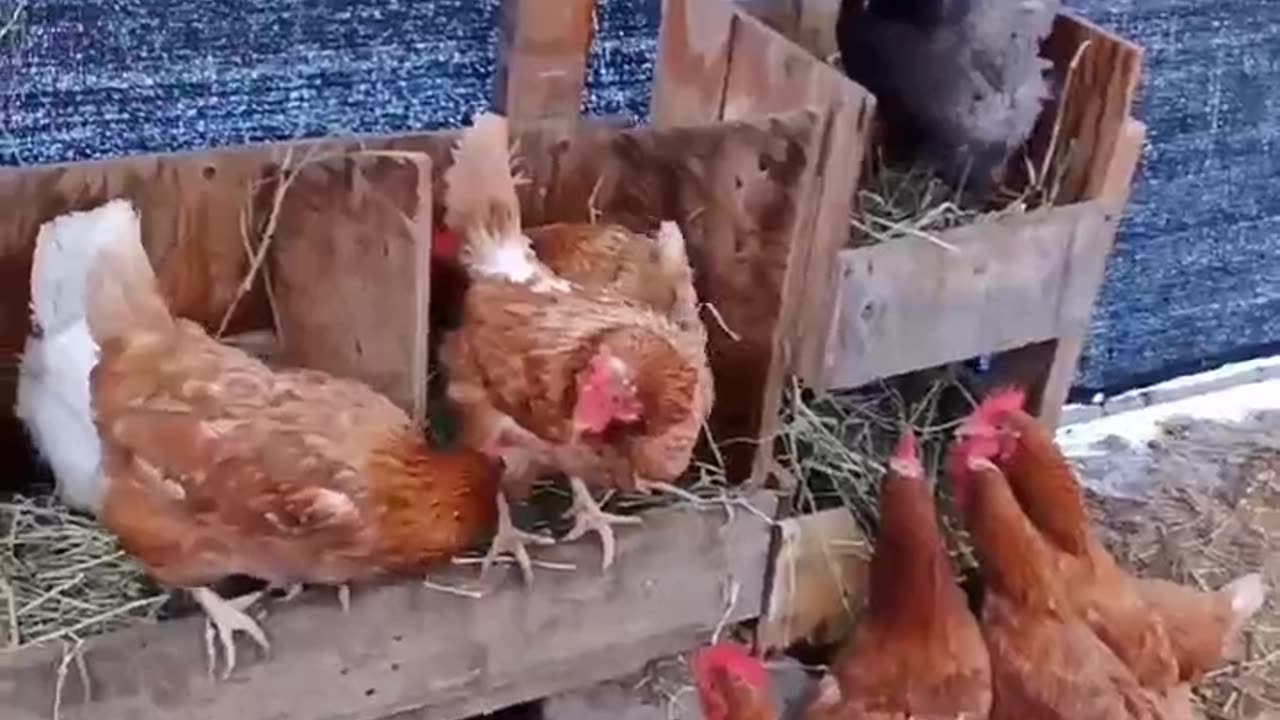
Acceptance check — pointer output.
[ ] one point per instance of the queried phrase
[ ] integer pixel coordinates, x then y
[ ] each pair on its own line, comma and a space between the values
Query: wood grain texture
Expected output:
542, 53
693, 61
1089, 274
350, 264
1098, 101
808, 23
411, 652
1105, 145
908, 305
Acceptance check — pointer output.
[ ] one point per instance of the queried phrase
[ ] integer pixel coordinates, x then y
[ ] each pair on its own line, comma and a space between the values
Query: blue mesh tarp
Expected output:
1193, 280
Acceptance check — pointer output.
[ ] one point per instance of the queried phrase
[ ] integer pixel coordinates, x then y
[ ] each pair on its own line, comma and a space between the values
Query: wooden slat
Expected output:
543, 46
911, 305
351, 272
408, 651
1098, 101
1106, 144
693, 62
808, 23
769, 74
1088, 276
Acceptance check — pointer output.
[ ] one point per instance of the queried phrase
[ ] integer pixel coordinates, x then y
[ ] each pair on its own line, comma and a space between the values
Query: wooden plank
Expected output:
350, 270
808, 23
1098, 100
818, 571
1090, 265
737, 191
411, 652
543, 46
909, 306
769, 74
693, 62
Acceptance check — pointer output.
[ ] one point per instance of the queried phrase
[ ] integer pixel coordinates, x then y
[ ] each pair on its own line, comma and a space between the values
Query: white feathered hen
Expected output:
53, 385
961, 81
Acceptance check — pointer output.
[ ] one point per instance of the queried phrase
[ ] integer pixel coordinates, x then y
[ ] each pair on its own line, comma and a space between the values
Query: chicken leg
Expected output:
588, 517
512, 540
225, 617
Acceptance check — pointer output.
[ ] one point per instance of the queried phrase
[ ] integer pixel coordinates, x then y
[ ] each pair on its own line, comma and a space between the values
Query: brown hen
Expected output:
551, 375
1165, 633
216, 465
1046, 662
918, 651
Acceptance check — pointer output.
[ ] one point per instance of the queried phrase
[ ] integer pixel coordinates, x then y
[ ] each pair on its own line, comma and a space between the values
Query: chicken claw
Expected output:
512, 540
226, 617
588, 517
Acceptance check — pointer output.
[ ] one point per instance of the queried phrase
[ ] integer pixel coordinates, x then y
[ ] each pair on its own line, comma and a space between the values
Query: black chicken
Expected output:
960, 82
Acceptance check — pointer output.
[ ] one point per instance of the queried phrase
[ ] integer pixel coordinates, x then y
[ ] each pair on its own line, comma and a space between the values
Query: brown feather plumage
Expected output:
217, 465
1099, 590
521, 349
1045, 661
918, 652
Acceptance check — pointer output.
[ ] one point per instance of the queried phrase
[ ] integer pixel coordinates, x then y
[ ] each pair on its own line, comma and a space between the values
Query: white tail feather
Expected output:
53, 398
65, 250
482, 206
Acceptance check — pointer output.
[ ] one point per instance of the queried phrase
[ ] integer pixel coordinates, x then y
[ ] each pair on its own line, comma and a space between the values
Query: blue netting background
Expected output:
1195, 279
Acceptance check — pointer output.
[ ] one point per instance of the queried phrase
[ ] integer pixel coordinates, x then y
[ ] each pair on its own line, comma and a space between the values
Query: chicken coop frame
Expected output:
756, 146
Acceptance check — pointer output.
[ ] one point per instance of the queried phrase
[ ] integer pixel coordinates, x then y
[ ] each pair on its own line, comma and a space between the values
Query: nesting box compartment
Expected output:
1021, 288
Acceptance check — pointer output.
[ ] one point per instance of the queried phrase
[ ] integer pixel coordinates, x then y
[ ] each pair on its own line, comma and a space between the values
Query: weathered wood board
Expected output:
542, 58
910, 305
410, 651
694, 45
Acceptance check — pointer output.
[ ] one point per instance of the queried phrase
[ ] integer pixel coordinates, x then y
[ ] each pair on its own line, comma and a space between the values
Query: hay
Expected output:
896, 203
62, 576
836, 444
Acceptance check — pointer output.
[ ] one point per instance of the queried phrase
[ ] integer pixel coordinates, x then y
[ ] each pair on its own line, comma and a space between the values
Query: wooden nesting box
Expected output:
339, 232
1021, 288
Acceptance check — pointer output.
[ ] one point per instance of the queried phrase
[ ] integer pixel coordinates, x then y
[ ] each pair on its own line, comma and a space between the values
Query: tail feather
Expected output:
482, 206
122, 294
65, 249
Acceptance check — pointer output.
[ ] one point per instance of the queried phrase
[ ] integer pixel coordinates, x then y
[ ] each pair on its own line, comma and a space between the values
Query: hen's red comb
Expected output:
1000, 402
731, 658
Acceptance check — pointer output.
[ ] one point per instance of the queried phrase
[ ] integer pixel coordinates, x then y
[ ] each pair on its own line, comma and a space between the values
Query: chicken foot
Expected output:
224, 617
511, 540
588, 517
